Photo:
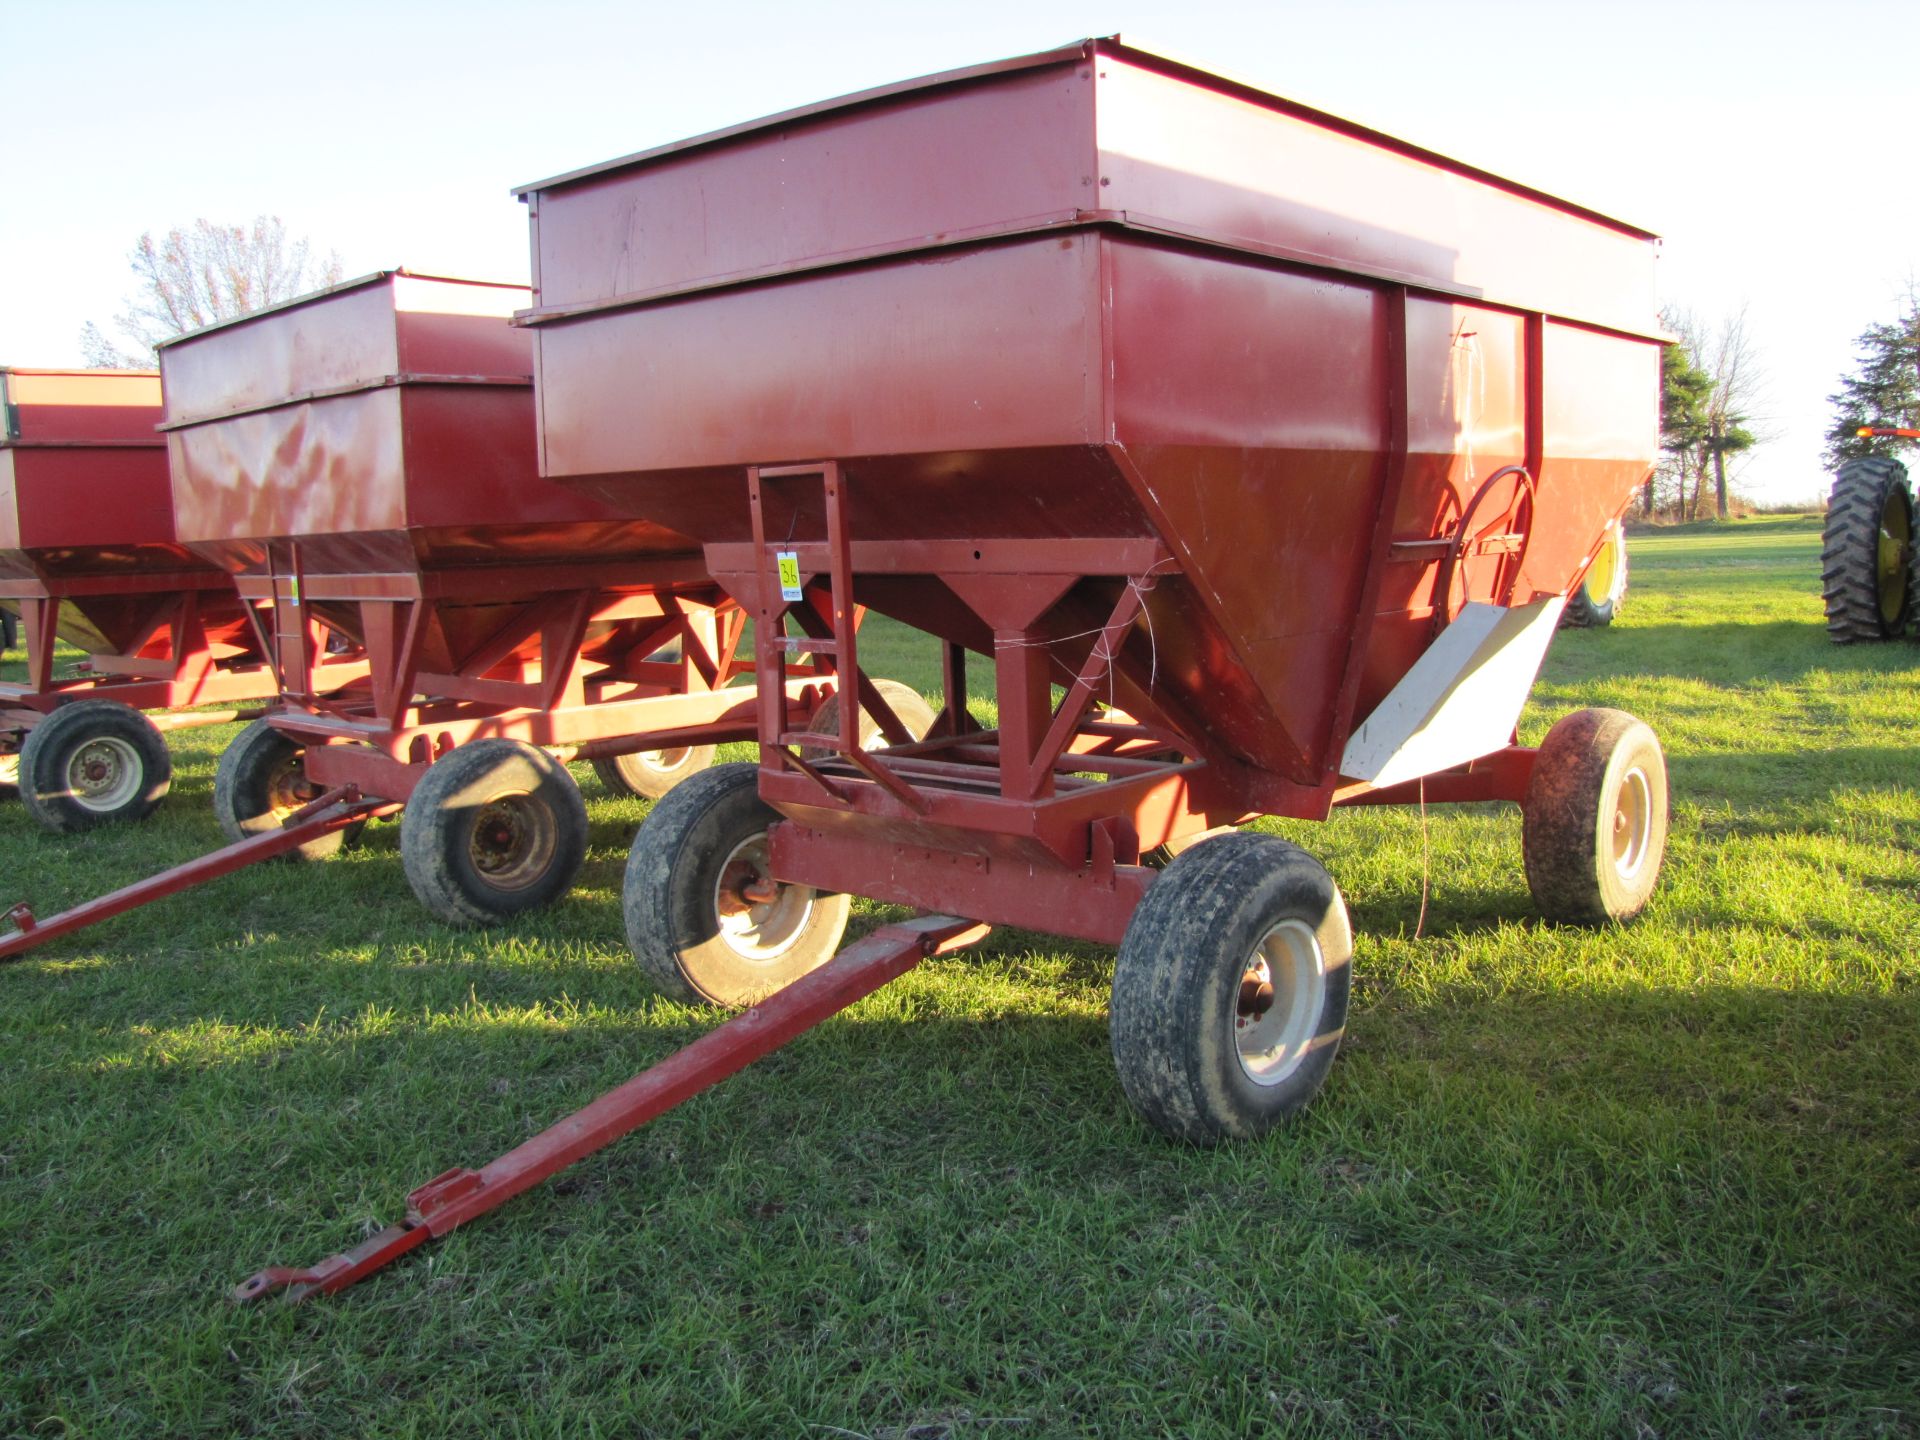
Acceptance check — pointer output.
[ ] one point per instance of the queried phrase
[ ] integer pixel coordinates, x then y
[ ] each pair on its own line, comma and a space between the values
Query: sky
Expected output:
1772, 145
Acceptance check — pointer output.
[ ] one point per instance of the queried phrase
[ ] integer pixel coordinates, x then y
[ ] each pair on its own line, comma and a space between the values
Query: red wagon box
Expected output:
89, 554
362, 460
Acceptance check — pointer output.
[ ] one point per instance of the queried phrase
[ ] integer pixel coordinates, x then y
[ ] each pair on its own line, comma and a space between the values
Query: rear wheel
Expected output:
1866, 552
705, 917
93, 763
651, 773
262, 779
493, 829
1594, 822
1230, 991
1603, 589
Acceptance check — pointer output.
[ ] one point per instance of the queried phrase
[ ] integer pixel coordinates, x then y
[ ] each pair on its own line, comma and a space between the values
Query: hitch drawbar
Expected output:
335, 810
458, 1196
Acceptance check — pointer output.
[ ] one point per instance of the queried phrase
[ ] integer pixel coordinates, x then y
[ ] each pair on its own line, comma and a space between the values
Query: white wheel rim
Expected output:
103, 774
1277, 1005
758, 929
1632, 823
10, 769
663, 761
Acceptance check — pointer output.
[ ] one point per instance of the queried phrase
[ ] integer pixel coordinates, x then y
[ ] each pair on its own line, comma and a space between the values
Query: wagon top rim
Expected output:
1077, 52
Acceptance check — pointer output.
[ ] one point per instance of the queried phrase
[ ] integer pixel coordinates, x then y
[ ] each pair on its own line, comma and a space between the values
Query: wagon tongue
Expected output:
461, 1195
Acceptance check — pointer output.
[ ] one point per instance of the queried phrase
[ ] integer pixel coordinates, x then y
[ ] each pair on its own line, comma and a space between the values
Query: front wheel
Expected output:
93, 763
705, 918
1230, 991
262, 779
1594, 821
493, 829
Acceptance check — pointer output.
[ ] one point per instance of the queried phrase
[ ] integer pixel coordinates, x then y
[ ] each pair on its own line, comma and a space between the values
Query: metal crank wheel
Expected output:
1230, 991
1594, 821
1506, 537
262, 779
495, 828
93, 763
705, 917
650, 774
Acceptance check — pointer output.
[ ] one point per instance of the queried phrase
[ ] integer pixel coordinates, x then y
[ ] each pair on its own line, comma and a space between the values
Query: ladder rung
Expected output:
803, 644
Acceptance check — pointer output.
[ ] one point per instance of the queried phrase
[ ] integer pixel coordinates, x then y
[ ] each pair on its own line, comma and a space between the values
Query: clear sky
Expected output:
1772, 144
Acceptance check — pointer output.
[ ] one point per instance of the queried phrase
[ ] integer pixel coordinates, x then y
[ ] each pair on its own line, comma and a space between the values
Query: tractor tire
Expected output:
92, 763
493, 829
907, 704
1603, 589
1594, 821
1866, 552
693, 929
1230, 991
649, 774
262, 779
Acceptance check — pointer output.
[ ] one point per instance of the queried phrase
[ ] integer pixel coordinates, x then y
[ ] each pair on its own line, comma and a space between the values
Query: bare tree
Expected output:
206, 272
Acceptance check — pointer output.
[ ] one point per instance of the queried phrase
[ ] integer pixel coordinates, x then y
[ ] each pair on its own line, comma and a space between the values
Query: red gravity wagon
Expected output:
1254, 451
89, 555
360, 462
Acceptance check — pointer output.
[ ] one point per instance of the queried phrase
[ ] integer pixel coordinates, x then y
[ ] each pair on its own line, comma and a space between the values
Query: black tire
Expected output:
1594, 823
261, 780
908, 705
1203, 1054
9, 630
650, 774
1603, 589
1866, 552
493, 829
93, 763
693, 932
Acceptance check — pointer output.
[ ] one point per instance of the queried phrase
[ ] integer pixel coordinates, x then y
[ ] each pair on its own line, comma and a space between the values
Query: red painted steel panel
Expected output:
343, 338
83, 477
897, 174
1226, 164
995, 348
387, 425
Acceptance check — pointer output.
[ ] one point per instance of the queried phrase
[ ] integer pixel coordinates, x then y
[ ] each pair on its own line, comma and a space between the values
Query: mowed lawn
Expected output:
1659, 1181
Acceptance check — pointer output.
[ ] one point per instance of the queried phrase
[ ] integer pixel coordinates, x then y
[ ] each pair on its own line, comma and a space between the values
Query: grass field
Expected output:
1662, 1181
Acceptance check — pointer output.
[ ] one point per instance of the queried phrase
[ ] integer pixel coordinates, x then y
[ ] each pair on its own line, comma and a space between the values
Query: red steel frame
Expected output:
1041, 821
567, 668
196, 647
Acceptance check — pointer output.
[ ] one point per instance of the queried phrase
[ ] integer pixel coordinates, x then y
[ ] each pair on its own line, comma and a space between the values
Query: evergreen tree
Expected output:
1686, 392
1883, 391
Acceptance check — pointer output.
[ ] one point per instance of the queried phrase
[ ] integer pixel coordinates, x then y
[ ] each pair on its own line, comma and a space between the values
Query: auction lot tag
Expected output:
789, 561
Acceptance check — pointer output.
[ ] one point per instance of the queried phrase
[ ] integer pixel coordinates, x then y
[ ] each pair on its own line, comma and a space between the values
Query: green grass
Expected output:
1656, 1181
